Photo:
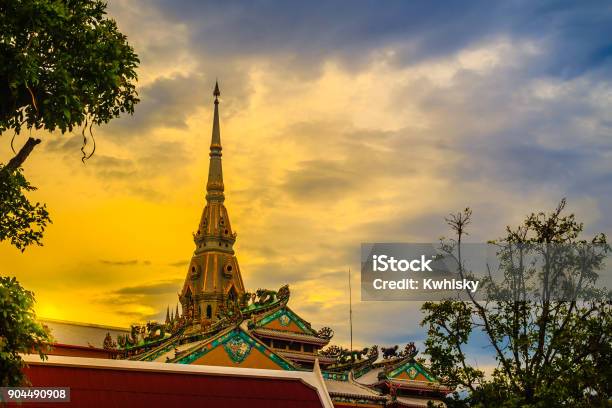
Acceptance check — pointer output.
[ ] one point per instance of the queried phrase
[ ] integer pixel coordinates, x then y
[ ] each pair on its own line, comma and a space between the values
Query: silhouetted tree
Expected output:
552, 340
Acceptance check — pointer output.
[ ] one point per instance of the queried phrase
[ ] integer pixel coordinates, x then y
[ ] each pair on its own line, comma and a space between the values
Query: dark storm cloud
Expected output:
157, 288
105, 167
69, 143
323, 179
363, 157
572, 40
320, 29
166, 102
576, 34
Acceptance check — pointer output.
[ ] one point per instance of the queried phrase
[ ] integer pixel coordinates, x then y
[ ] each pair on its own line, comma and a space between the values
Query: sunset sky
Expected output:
341, 123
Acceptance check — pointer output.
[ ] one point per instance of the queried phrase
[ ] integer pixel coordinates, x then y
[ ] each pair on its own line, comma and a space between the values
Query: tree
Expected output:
63, 64
21, 222
19, 331
547, 322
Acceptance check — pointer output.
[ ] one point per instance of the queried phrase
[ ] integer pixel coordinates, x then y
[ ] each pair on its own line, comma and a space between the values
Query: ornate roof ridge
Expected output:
366, 392
287, 332
351, 378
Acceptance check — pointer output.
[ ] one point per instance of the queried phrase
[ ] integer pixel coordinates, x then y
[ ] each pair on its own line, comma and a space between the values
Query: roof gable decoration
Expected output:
285, 317
238, 345
410, 370
237, 349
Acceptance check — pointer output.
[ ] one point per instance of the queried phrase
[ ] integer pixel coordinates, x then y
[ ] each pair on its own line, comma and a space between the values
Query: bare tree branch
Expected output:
22, 155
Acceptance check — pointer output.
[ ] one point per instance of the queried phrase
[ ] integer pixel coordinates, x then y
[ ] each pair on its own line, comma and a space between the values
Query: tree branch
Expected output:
22, 155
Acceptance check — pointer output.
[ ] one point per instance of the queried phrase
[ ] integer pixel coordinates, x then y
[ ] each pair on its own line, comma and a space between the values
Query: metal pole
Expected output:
351, 309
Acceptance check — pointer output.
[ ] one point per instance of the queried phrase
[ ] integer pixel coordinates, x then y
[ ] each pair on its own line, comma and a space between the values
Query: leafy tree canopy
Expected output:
19, 331
21, 222
63, 63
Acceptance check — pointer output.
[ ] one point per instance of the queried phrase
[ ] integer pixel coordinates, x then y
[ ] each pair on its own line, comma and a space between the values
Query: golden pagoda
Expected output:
213, 280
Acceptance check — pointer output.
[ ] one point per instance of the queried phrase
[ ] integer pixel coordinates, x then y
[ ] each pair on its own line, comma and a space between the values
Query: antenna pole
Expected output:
350, 308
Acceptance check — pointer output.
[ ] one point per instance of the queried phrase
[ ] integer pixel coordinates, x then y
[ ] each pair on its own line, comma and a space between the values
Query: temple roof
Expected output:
303, 356
280, 334
370, 377
413, 402
351, 389
81, 334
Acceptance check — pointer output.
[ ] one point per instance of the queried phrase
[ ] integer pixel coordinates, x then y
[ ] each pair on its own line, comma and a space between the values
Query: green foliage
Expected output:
63, 63
19, 331
21, 222
550, 351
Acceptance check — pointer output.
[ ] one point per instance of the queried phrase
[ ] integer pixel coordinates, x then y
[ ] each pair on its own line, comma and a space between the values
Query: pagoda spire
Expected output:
168, 314
213, 278
215, 187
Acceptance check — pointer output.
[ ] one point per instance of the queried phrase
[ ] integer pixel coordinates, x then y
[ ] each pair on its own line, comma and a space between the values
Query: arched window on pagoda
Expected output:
208, 312
232, 295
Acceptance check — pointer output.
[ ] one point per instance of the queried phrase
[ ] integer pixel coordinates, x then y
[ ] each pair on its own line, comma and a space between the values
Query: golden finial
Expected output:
216, 93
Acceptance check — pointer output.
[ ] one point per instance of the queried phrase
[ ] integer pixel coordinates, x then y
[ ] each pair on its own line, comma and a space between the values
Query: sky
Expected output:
341, 123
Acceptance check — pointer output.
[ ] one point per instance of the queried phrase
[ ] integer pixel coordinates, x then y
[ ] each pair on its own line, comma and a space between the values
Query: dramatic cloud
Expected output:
342, 122
158, 288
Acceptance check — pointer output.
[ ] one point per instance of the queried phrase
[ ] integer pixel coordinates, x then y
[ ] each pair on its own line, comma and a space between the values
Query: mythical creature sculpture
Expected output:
325, 333
109, 344
176, 325
264, 297
389, 352
221, 312
205, 324
155, 331
229, 313
332, 351
131, 339
409, 351
246, 298
356, 355
373, 353
283, 293
190, 312
345, 356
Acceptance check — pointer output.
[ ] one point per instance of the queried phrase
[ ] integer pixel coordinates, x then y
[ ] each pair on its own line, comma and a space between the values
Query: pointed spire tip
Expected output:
216, 92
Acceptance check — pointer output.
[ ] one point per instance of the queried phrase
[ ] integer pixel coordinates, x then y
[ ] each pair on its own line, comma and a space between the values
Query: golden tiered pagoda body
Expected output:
222, 324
